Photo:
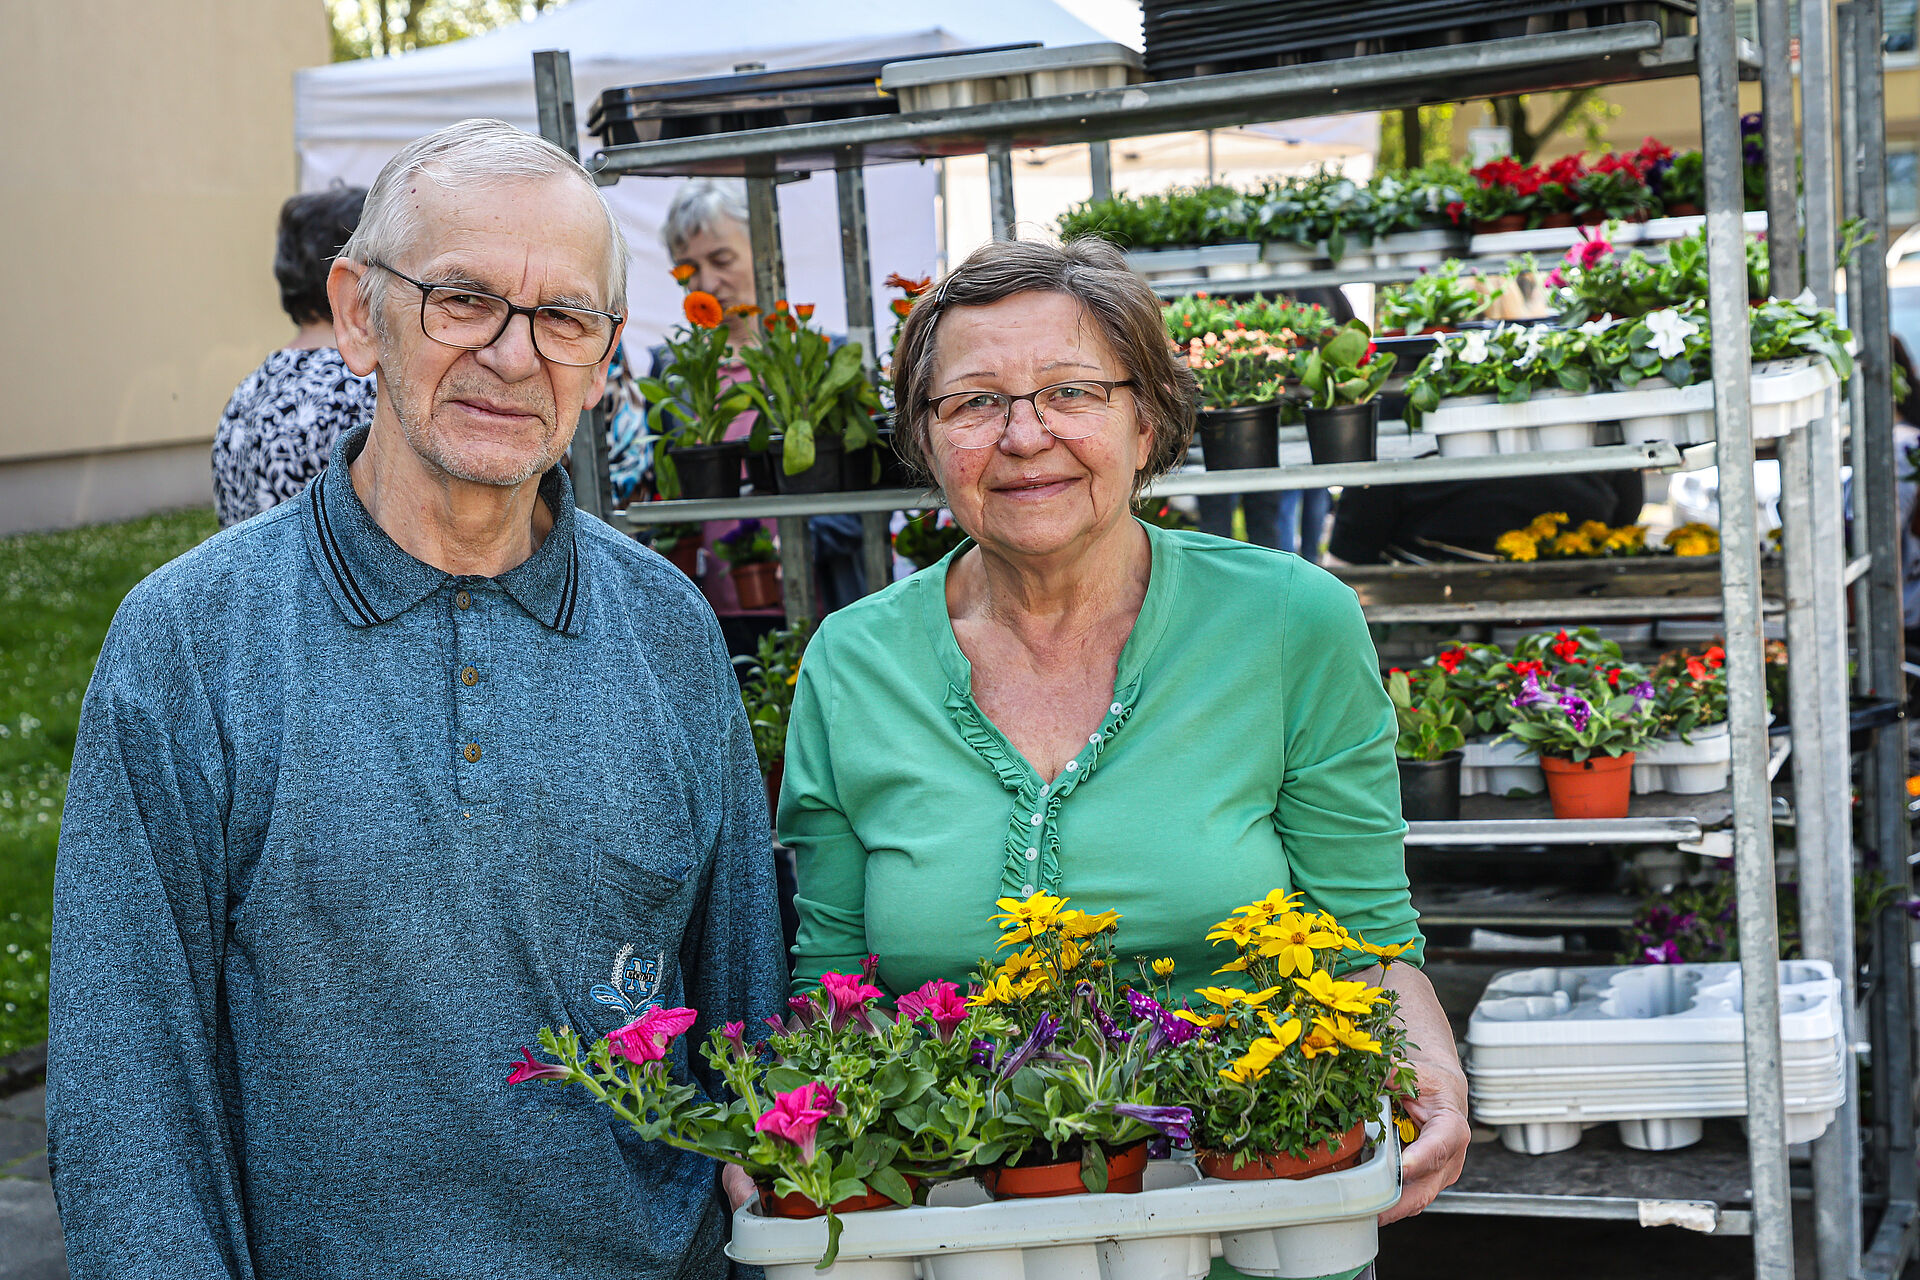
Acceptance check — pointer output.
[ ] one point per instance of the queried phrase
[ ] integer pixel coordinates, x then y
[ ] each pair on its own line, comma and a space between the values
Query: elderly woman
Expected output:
1158, 723
278, 428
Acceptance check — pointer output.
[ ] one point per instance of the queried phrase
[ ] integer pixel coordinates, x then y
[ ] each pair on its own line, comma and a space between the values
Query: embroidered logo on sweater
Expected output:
634, 984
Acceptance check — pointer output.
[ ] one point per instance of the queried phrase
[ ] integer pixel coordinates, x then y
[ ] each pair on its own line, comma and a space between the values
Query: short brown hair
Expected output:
1092, 272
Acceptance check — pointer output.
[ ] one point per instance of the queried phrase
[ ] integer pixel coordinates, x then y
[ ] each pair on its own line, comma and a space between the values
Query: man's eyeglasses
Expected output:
456, 315
1067, 411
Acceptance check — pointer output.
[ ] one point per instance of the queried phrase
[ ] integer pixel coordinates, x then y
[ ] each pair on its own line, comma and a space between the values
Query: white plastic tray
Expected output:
1683, 1005
1489, 768
974, 79
1315, 1227
1786, 395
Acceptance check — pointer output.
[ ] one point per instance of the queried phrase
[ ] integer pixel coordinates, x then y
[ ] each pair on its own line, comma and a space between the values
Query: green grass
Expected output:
58, 592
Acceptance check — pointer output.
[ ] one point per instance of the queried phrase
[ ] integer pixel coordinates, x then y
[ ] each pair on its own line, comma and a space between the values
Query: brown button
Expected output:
469, 677
472, 752
461, 599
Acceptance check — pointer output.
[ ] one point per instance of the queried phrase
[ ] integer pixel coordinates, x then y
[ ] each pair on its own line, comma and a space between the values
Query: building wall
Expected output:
149, 151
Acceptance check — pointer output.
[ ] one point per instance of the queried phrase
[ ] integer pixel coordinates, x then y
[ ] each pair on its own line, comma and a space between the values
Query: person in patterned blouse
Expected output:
278, 429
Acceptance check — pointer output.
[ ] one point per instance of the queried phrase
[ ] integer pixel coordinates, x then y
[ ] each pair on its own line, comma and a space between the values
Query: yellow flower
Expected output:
1408, 1129
1071, 953
1025, 921
1547, 524
1346, 997
1341, 1028
1212, 1021
1078, 924
1163, 967
1233, 966
1393, 952
1517, 544
1285, 1033
1228, 997
1629, 537
1319, 1041
1239, 932
1019, 962
1593, 530
1291, 941
1254, 1063
1572, 543
1000, 990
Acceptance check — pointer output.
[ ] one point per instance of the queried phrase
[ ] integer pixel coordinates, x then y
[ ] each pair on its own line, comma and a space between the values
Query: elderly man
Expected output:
370, 789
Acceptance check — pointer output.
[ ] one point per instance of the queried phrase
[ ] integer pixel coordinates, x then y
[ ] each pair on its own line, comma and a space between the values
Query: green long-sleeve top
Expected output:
1248, 747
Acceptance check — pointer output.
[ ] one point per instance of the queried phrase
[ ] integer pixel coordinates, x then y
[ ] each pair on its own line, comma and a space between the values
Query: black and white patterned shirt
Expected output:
278, 429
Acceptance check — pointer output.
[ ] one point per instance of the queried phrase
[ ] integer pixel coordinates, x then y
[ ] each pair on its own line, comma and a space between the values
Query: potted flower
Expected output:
692, 405
1613, 189
767, 679
814, 401
681, 544
1285, 1066
1072, 1093
753, 563
1680, 184
1586, 733
927, 537
1435, 301
1241, 375
1505, 197
1341, 379
1690, 693
1427, 749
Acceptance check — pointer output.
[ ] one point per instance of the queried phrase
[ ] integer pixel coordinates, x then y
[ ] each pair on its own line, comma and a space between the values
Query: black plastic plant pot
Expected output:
824, 476
761, 464
709, 470
1240, 437
1344, 433
1430, 789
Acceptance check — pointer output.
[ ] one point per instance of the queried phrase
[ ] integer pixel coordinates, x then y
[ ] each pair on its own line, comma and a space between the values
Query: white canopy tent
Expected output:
349, 118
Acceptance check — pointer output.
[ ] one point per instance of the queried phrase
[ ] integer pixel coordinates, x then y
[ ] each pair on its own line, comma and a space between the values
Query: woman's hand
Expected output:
1433, 1161
738, 1186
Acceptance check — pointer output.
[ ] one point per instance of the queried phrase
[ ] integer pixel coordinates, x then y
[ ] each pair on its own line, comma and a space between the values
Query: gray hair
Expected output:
697, 206
472, 153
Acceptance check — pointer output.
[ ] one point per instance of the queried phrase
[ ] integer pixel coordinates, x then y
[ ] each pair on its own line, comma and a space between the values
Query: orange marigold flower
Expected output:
780, 305
743, 309
908, 285
804, 311
683, 272
703, 309
901, 306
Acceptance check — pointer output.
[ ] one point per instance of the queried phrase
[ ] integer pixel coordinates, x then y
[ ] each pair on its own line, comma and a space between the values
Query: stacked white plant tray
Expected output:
1786, 395
1653, 1048
1666, 764
1244, 259
1171, 1231
975, 79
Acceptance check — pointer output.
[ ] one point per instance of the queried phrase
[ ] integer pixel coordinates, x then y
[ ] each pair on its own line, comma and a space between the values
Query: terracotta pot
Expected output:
795, 1205
1505, 222
1126, 1175
684, 555
1683, 209
1343, 1154
1597, 787
757, 585
1557, 220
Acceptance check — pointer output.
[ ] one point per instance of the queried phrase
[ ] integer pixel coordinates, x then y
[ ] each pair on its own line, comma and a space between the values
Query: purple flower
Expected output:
1667, 952
1529, 694
1109, 1028
803, 1009
1043, 1033
1167, 1029
1643, 690
1577, 711
1754, 154
1750, 124
1174, 1122
984, 1052
1913, 908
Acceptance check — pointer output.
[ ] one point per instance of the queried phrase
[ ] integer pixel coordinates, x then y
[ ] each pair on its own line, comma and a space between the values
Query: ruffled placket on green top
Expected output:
1033, 834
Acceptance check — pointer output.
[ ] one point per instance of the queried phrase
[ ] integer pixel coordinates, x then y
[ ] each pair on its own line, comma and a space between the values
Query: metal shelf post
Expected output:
770, 286
856, 278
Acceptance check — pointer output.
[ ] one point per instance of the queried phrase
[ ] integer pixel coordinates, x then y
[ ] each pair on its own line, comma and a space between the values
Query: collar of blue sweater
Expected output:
372, 580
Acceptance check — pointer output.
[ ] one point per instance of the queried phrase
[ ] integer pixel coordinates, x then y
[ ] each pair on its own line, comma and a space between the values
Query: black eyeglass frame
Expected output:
1006, 422
513, 309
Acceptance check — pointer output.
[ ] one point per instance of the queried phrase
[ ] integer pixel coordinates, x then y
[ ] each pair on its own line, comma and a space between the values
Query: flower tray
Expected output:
1313, 1227
1786, 395
975, 79
1666, 764
1654, 1048
1240, 259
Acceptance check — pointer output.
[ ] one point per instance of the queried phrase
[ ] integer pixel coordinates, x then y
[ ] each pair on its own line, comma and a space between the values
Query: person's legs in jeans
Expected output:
1264, 523
1288, 538
1315, 506
1216, 513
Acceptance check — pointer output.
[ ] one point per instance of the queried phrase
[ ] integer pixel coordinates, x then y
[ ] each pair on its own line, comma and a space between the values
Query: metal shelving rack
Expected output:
1724, 1186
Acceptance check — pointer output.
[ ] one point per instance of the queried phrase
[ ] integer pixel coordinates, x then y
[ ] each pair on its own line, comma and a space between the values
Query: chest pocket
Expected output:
629, 957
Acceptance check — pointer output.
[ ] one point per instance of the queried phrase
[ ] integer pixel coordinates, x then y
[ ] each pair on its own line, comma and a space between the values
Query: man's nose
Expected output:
512, 355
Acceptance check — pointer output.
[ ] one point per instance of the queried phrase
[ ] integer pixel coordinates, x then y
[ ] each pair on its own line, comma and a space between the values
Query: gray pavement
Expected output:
30, 1244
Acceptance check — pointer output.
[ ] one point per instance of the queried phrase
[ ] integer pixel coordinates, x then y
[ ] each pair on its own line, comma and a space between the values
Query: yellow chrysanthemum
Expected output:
1255, 1062
1345, 997
1571, 543
1408, 1129
1517, 544
1163, 967
1319, 1041
1291, 941
1019, 963
1341, 1028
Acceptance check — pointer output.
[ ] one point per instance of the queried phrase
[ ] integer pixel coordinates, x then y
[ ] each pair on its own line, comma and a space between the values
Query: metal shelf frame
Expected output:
1845, 180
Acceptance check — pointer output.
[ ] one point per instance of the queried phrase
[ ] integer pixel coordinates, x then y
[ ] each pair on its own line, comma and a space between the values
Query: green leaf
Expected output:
833, 1242
665, 474
890, 1184
797, 453
1093, 1168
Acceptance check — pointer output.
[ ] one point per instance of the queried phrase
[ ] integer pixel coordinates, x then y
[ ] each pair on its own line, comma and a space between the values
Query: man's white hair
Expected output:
472, 153
699, 206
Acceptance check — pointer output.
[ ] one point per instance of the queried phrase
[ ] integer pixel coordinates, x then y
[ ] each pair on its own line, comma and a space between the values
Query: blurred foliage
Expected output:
375, 28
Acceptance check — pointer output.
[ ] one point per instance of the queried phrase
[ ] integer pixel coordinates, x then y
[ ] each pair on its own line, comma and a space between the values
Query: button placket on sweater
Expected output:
476, 754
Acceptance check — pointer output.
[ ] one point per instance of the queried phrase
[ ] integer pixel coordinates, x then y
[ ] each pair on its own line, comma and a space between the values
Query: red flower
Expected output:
1593, 253
1450, 660
1538, 670
1716, 656
1567, 169
1613, 677
1565, 646
1455, 208
703, 309
1696, 668
901, 306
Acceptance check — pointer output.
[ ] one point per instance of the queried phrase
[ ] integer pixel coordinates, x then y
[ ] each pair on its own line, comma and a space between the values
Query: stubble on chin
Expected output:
445, 455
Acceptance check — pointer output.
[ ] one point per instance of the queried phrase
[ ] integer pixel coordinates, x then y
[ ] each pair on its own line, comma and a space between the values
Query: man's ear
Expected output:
352, 319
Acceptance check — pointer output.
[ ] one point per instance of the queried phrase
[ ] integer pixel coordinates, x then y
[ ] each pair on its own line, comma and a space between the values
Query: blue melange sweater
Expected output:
343, 833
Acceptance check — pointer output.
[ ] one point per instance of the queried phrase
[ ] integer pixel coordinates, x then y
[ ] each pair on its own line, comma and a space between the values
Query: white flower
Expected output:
1530, 349
1806, 299
1593, 328
1670, 332
1474, 349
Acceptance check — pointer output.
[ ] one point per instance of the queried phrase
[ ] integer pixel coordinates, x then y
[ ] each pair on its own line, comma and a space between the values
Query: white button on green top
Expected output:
1033, 855
1116, 709
1093, 737
1026, 888
1036, 819
1044, 788
1072, 765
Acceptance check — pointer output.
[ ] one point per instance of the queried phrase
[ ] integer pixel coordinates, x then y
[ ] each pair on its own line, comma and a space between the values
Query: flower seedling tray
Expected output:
1666, 764
1236, 258
1314, 1227
1786, 395
975, 79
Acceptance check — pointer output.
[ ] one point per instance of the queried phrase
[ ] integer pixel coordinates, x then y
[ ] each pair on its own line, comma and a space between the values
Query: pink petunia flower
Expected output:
645, 1038
939, 1000
1594, 252
735, 1034
848, 995
795, 1117
531, 1068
